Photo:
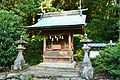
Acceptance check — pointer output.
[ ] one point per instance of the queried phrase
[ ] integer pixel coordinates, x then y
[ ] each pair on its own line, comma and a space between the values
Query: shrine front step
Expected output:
58, 64
48, 72
38, 67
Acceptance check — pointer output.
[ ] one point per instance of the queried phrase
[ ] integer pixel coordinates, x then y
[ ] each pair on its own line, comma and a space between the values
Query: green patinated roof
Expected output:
59, 21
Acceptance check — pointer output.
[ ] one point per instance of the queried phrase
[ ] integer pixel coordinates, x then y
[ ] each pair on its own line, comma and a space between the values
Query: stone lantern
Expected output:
86, 70
19, 63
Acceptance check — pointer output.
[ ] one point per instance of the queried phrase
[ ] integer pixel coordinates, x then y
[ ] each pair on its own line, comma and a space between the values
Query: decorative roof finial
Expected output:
80, 8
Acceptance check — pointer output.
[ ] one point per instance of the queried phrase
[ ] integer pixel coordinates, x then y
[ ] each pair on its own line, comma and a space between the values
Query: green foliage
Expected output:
103, 18
103, 30
24, 8
46, 6
10, 30
27, 9
29, 78
66, 4
33, 52
109, 61
78, 53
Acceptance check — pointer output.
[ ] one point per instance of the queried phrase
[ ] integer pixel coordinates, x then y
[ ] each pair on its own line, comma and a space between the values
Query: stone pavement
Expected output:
45, 73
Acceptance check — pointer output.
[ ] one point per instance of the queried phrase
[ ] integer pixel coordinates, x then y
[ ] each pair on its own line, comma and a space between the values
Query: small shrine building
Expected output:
58, 29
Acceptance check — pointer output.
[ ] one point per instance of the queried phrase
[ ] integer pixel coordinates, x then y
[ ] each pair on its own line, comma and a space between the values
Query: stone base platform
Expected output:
23, 67
58, 65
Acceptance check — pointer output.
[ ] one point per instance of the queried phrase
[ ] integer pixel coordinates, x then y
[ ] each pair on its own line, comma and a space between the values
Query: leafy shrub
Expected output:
10, 31
33, 52
109, 61
78, 53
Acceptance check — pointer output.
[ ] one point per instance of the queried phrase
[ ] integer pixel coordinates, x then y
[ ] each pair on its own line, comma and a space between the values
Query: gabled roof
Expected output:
59, 21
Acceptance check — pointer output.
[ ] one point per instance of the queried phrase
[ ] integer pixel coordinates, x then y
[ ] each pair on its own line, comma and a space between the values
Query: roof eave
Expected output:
53, 27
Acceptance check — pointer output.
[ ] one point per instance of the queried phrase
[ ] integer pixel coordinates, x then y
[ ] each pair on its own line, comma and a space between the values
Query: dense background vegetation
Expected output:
10, 29
108, 63
102, 25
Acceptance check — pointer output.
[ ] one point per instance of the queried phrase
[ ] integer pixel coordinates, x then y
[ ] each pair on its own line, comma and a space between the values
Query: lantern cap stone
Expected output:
21, 41
85, 40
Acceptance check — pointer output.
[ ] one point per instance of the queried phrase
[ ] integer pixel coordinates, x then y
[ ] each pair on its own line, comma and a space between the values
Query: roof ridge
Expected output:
60, 13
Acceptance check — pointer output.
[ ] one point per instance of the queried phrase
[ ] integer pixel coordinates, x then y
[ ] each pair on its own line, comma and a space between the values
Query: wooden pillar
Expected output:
69, 47
72, 41
44, 43
69, 42
72, 47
